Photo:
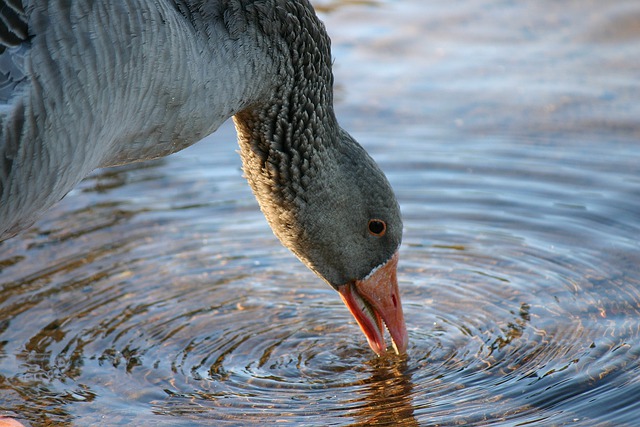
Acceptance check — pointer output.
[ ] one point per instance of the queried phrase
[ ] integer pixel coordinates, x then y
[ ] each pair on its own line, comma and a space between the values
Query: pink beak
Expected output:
374, 300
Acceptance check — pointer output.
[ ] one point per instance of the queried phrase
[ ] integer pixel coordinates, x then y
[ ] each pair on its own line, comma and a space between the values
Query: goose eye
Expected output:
377, 227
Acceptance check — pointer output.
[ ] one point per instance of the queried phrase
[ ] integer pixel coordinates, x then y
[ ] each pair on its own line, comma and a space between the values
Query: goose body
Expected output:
91, 84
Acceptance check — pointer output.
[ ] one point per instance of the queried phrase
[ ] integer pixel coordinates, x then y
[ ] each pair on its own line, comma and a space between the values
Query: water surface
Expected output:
155, 294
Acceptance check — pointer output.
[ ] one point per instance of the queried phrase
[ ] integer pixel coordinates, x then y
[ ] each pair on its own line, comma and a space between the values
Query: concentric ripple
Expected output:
520, 310
533, 303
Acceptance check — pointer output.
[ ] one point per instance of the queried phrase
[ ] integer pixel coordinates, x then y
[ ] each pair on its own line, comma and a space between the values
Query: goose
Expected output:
93, 84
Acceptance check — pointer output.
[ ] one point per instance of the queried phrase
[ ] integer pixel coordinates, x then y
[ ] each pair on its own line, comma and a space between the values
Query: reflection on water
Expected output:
155, 294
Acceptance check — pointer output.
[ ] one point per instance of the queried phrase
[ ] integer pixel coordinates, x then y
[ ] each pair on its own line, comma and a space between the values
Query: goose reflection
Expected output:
387, 395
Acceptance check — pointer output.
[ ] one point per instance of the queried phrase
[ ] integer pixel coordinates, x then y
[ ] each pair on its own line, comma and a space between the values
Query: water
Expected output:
155, 294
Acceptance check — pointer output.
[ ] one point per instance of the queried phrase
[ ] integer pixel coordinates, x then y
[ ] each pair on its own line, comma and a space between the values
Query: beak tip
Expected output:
399, 336
380, 293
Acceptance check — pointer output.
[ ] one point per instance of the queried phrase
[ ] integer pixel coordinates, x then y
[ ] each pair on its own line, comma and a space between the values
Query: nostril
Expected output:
395, 301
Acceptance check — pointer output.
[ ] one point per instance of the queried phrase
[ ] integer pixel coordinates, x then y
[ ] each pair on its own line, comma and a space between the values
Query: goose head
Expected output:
332, 206
324, 197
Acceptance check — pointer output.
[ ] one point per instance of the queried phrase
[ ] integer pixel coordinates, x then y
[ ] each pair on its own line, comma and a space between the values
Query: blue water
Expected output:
155, 294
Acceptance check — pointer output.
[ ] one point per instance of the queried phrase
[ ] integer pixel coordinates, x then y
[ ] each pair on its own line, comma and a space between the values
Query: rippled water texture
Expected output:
156, 295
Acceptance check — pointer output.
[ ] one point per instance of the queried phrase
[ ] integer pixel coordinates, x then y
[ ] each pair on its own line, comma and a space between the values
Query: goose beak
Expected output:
375, 300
